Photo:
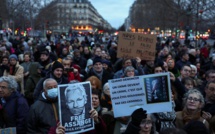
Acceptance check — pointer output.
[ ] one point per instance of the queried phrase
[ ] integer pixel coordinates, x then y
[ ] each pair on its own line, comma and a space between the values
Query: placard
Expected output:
75, 102
150, 92
132, 45
10, 130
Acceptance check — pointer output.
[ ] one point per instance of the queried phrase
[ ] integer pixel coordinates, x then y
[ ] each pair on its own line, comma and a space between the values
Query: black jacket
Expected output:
42, 116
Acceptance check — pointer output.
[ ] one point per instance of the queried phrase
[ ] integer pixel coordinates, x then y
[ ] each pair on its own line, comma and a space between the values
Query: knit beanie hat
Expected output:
56, 65
97, 59
13, 56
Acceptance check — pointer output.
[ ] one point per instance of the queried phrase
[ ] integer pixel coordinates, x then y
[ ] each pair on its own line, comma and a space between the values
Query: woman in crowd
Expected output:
193, 102
188, 83
95, 83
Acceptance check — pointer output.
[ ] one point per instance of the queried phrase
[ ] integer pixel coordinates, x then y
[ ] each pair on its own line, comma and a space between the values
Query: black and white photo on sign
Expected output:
74, 105
156, 89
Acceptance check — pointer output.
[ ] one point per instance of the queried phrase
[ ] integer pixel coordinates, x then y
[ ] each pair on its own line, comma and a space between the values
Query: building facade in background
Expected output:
76, 16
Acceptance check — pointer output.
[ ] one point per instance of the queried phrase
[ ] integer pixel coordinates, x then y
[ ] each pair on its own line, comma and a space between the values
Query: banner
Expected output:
150, 92
75, 102
132, 45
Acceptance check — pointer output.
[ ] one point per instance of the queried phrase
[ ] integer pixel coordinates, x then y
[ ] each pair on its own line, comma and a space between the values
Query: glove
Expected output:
137, 116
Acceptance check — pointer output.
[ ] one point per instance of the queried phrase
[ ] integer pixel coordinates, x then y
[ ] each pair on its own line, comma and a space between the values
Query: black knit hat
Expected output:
56, 65
97, 59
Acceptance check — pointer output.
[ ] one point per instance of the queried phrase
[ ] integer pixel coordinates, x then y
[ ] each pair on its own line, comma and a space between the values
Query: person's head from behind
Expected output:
196, 127
210, 91
193, 100
50, 88
173, 131
76, 98
188, 83
7, 86
95, 83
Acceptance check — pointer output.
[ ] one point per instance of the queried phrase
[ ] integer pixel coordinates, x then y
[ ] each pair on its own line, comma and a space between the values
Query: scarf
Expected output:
188, 116
99, 74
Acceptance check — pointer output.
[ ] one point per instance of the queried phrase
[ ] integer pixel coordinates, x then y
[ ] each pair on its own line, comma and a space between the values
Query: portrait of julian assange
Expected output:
75, 104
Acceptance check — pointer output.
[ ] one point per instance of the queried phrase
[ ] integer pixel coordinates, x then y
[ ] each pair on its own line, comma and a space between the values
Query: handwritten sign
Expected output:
150, 92
75, 102
131, 45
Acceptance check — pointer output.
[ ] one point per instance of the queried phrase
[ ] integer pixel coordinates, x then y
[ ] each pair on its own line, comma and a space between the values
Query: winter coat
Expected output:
42, 116
32, 80
180, 123
16, 110
18, 76
105, 76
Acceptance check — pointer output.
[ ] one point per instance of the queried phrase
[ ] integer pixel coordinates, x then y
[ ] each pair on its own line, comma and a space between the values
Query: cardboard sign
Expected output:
75, 102
132, 45
150, 92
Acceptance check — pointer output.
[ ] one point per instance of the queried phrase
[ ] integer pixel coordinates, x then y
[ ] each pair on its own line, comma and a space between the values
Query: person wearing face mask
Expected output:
43, 113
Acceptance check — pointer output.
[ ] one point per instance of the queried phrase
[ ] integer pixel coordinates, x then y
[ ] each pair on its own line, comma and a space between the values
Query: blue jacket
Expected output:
16, 110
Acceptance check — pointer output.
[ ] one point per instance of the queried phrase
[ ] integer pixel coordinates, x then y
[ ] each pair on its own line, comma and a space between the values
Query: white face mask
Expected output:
52, 93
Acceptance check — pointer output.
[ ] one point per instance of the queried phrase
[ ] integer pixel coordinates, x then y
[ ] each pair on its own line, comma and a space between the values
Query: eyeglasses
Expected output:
3, 87
146, 122
193, 99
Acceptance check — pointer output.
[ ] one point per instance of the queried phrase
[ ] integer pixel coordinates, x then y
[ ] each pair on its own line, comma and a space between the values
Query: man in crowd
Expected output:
98, 71
56, 73
43, 113
185, 72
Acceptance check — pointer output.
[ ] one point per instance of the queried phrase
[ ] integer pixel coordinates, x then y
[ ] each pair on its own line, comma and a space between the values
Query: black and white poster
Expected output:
74, 105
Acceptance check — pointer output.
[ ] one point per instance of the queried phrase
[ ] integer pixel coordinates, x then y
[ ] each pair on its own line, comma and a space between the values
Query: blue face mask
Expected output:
52, 93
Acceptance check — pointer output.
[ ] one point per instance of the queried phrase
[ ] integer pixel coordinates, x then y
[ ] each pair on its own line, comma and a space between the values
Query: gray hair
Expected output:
194, 91
128, 68
11, 82
49, 79
106, 87
73, 87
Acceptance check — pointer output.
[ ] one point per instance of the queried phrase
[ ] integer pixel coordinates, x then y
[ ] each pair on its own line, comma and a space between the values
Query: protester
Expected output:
16, 71
14, 107
193, 102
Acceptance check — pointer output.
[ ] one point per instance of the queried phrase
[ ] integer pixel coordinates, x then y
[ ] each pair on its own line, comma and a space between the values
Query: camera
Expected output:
69, 69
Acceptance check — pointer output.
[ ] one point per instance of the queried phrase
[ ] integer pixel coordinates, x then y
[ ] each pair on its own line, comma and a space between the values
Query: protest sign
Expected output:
10, 130
150, 92
75, 102
132, 45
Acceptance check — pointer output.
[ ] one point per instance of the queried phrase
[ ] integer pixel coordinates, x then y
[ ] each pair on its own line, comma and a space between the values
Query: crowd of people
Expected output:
31, 70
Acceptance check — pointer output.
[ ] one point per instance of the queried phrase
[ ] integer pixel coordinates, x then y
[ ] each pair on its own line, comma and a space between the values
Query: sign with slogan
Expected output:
150, 92
75, 102
132, 45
